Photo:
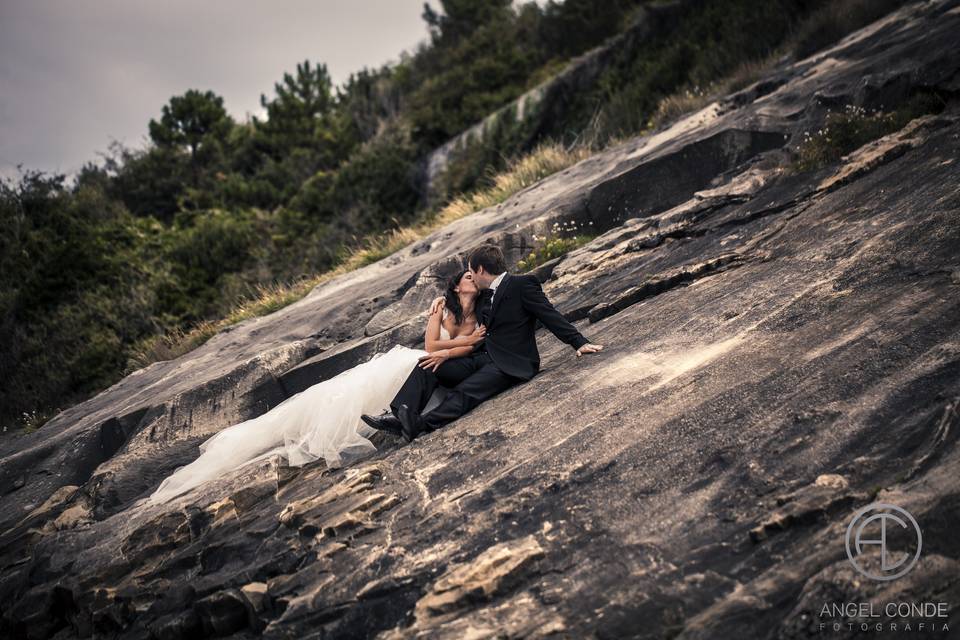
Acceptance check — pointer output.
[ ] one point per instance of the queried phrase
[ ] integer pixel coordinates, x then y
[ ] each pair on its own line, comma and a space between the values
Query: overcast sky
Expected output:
76, 74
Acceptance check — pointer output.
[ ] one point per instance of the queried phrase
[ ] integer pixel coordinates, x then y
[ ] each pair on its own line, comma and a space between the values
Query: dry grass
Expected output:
543, 161
693, 99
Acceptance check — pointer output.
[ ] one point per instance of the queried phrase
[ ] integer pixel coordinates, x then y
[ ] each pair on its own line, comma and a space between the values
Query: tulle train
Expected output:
322, 421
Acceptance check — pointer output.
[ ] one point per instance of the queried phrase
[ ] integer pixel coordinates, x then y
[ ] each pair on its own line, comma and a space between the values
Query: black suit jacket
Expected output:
512, 321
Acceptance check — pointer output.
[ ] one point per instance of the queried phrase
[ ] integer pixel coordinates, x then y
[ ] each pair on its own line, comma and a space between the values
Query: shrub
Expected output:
552, 248
848, 130
837, 19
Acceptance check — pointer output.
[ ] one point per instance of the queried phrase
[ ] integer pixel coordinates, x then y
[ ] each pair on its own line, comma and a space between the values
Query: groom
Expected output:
509, 307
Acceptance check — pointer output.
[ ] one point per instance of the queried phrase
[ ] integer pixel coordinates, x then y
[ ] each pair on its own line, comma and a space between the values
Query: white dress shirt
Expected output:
493, 287
496, 283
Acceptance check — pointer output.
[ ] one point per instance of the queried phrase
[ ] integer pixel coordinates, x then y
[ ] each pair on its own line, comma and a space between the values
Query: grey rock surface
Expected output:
782, 349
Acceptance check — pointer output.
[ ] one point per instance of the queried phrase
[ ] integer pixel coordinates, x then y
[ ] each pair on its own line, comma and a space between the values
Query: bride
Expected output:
323, 421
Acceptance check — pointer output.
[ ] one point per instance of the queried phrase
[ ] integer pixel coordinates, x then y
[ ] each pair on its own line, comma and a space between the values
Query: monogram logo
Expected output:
888, 527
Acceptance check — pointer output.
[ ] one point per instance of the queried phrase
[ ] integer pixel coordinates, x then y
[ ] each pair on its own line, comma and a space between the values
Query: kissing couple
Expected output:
480, 341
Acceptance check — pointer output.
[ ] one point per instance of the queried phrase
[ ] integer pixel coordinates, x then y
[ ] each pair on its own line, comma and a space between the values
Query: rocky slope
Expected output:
782, 348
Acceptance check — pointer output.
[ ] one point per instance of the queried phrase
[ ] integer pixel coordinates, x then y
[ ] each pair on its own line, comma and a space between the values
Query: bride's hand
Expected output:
437, 305
478, 334
434, 360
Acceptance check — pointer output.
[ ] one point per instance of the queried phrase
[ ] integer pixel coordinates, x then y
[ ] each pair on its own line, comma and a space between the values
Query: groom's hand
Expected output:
589, 348
437, 305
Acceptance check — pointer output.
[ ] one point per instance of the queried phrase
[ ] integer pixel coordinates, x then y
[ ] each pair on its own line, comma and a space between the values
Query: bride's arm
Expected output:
460, 342
436, 358
459, 352
434, 343
442, 350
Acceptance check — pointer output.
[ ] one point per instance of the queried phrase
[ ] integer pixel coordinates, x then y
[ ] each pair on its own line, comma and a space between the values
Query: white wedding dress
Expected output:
322, 421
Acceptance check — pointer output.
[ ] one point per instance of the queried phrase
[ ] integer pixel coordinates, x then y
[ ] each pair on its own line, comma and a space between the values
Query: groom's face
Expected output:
481, 277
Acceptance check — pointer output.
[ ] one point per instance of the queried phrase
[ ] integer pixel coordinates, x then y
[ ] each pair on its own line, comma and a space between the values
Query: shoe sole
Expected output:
379, 427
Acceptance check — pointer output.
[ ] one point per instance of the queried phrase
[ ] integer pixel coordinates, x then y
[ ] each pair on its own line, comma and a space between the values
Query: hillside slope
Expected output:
782, 348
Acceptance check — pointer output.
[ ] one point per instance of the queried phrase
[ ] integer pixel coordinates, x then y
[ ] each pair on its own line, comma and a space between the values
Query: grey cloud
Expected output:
74, 75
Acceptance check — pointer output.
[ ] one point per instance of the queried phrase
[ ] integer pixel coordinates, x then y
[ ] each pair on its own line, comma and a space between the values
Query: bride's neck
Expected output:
466, 303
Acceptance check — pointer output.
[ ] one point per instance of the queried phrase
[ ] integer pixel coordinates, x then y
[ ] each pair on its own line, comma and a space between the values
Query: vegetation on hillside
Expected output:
152, 250
552, 247
847, 130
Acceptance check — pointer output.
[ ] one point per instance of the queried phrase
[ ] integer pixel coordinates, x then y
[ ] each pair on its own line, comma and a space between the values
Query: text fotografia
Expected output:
874, 535
892, 616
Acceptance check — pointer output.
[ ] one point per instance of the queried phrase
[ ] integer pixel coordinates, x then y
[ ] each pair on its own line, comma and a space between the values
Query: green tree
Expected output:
367, 101
149, 181
299, 115
570, 27
460, 18
73, 292
196, 121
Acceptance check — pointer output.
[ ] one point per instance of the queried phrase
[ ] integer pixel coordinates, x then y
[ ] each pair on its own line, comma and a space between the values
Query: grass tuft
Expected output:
691, 99
552, 248
848, 130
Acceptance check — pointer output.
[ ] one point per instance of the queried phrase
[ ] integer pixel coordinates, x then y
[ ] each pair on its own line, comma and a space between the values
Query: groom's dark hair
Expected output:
489, 257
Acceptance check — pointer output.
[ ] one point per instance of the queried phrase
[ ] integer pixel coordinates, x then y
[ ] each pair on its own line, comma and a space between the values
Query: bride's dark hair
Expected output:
452, 298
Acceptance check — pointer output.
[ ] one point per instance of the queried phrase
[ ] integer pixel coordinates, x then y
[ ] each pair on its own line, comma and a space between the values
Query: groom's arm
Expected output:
536, 303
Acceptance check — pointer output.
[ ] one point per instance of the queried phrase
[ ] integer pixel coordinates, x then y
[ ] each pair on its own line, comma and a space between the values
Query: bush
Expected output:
373, 189
75, 292
201, 249
552, 248
837, 19
850, 129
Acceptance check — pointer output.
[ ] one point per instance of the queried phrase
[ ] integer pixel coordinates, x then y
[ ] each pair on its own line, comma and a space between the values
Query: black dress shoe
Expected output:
410, 422
384, 422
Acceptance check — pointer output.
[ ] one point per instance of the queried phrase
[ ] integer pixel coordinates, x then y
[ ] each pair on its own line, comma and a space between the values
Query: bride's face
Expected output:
467, 284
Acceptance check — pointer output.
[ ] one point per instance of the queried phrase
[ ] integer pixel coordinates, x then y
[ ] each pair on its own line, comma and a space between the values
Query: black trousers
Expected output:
472, 379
